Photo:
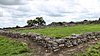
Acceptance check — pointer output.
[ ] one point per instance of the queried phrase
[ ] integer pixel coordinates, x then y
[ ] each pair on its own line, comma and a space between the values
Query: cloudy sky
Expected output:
17, 12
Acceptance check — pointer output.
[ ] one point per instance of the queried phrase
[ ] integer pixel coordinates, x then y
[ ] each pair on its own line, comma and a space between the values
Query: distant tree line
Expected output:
39, 21
74, 23
89, 22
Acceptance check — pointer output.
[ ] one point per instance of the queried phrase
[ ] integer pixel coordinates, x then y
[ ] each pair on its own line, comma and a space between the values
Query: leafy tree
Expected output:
60, 23
99, 19
38, 21
85, 20
71, 22
30, 22
17, 26
34, 22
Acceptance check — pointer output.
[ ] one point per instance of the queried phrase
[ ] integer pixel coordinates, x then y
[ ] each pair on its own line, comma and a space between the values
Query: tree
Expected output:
85, 20
71, 22
30, 22
17, 26
60, 23
34, 22
38, 21
99, 19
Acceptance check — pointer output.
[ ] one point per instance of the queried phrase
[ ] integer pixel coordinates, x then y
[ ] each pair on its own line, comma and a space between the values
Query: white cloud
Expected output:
12, 2
17, 12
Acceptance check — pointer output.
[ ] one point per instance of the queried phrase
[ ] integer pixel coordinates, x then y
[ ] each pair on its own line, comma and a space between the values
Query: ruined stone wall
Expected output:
52, 43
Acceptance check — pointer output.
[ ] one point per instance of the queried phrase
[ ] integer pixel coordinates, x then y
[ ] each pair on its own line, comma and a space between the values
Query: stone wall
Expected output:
53, 44
74, 23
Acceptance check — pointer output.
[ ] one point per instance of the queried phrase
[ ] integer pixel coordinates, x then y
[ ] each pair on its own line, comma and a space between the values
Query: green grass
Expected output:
65, 31
9, 47
91, 51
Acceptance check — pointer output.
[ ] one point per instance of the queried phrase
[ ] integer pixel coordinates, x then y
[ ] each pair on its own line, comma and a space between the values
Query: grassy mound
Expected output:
9, 47
65, 31
91, 51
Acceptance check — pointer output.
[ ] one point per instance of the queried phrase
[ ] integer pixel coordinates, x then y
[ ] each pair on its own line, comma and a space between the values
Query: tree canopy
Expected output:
38, 21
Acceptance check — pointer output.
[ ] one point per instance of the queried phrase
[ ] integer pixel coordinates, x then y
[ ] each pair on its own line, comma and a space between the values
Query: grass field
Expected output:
65, 31
10, 47
91, 51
